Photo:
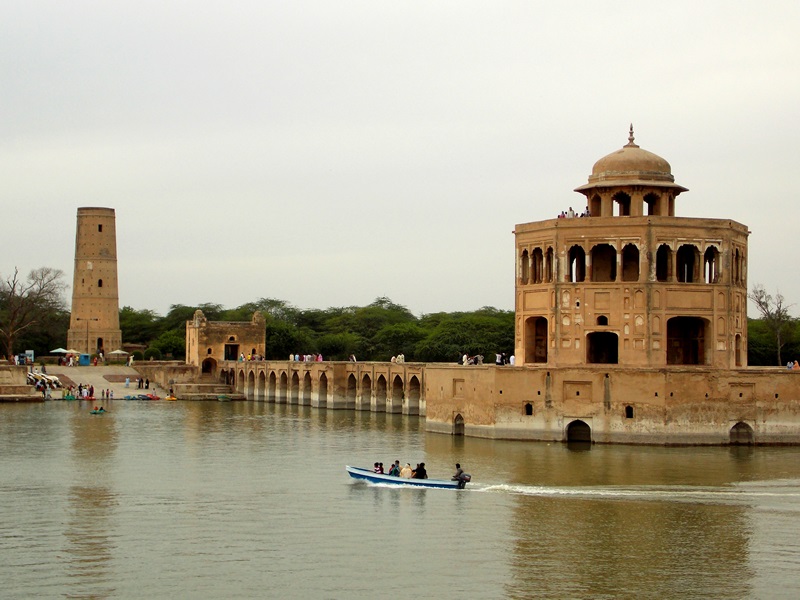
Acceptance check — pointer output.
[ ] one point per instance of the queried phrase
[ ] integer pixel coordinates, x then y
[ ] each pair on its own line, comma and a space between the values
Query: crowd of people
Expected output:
571, 214
501, 358
307, 358
407, 472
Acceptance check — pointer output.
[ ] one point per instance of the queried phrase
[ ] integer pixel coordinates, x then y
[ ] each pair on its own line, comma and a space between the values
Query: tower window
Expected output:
99, 283
100, 228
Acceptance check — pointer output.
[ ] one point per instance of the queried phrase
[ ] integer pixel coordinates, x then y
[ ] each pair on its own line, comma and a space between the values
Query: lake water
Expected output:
251, 500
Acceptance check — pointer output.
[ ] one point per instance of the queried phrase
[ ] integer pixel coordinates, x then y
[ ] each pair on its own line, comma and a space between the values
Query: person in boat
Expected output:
395, 470
406, 471
460, 477
378, 468
420, 472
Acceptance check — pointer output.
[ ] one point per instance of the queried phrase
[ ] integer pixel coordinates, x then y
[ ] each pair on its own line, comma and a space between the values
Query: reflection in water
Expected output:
91, 503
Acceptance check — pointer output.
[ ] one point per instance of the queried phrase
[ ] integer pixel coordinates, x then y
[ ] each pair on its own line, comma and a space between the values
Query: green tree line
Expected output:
377, 331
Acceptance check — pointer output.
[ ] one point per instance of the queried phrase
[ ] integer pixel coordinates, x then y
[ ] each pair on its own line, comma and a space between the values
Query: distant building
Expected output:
94, 320
209, 342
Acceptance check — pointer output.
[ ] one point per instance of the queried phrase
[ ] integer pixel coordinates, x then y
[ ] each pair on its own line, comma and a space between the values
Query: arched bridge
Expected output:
373, 386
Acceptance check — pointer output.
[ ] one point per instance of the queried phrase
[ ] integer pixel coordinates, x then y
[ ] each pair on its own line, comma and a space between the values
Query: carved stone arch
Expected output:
262, 386
595, 206
664, 263
741, 434
524, 267
711, 264
630, 262
604, 262
414, 387
578, 431
653, 203
687, 260
458, 425
537, 265
576, 256
622, 204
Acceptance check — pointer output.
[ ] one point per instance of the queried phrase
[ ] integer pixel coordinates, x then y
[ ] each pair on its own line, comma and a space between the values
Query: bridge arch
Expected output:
350, 393
322, 391
412, 407
240, 382
272, 387
365, 398
251, 385
396, 404
380, 394
294, 395
262, 384
306, 399
282, 388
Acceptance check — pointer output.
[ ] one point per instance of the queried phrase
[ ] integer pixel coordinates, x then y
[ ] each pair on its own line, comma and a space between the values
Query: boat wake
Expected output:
735, 494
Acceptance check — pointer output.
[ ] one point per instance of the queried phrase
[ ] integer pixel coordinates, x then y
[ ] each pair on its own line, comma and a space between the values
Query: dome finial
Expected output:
630, 138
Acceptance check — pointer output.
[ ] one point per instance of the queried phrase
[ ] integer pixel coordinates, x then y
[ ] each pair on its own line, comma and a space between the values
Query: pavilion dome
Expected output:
631, 165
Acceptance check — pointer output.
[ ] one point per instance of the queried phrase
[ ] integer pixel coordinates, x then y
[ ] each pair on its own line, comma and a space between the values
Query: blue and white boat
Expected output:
373, 477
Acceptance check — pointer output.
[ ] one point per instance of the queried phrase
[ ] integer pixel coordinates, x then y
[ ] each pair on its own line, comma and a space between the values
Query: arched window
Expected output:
524, 267
653, 204
664, 263
548, 265
528, 409
604, 263
537, 266
628, 412
630, 263
737, 267
622, 204
688, 263
595, 206
711, 265
577, 264
99, 283
602, 320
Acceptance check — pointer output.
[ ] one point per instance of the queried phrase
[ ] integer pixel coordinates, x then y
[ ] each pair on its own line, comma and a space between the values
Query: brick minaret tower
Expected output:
94, 323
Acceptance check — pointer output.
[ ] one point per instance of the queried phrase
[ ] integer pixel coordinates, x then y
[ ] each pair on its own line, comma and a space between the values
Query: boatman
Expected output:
459, 477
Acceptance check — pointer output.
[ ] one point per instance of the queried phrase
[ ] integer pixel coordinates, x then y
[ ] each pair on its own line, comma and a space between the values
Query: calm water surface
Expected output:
243, 500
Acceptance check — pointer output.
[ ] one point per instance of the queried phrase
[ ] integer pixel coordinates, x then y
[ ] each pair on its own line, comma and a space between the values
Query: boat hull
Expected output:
372, 477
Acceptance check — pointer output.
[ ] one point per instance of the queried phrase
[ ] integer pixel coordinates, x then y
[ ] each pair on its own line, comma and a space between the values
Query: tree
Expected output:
139, 326
172, 342
26, 303
775, 315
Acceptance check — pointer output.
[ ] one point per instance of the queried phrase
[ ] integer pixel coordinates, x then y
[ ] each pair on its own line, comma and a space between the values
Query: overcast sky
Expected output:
327, 153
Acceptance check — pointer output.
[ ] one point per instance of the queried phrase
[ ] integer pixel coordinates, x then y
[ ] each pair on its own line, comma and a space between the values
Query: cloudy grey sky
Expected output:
326, 153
